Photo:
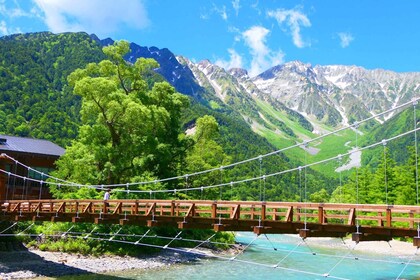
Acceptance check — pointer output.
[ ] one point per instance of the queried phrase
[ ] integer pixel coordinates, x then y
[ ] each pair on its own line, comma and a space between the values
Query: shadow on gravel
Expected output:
24, 264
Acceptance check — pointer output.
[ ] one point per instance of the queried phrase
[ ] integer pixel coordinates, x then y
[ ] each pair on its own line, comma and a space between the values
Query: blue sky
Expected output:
254, 35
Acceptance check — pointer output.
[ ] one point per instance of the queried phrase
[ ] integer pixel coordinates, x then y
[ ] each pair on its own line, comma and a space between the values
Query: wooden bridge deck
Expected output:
365, 222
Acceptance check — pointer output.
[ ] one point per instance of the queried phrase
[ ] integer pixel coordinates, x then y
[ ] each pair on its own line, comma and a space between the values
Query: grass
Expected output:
296, 127
329, 146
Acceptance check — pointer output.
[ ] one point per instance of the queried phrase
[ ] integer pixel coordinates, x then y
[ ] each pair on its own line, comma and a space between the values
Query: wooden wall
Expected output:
31, 160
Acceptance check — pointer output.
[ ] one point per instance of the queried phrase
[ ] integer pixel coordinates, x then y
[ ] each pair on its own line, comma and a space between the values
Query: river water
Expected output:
288, 257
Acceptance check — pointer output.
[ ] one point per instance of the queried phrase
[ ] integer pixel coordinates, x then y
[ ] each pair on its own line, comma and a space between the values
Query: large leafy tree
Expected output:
206, 154
130, 128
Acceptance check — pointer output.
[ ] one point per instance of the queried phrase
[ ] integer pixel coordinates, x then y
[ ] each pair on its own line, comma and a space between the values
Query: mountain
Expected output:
36, 101
234, 89
282, 106
176, 74
335, 94
34, 98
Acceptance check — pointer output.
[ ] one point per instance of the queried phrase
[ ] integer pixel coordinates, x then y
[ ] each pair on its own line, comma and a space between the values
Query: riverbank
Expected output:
36, 263
47, 265
392, 248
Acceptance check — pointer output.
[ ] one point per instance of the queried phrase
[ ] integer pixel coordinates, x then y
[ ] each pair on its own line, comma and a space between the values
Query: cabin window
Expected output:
37, 175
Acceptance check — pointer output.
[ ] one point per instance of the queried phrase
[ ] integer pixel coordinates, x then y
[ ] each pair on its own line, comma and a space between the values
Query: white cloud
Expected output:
345, 39
3, 28
204, 16
235, 61
294, 19
262, 57
236, 6
255, 7
94, 16
16, 11
221, 11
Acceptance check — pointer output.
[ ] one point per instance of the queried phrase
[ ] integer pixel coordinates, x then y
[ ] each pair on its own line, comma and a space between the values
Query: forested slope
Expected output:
35, 100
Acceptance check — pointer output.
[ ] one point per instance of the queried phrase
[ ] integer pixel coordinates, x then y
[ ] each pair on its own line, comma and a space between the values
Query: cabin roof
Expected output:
29, 145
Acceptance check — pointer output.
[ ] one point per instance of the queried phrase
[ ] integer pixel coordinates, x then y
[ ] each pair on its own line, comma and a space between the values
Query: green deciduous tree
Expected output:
129, 131
206, 154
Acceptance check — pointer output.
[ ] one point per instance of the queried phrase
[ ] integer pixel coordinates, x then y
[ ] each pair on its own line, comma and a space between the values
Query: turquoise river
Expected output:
289, 257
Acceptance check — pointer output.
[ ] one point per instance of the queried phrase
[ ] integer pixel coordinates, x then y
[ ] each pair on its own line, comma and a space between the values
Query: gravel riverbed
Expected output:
36, 263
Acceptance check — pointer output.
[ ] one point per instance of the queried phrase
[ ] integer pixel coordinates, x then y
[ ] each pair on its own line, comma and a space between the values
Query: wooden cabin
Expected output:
37, 154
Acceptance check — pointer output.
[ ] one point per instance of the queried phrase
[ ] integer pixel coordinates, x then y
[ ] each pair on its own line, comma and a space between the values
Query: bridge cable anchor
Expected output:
143, 236
90, 233
65, 233
115, 234
166, 246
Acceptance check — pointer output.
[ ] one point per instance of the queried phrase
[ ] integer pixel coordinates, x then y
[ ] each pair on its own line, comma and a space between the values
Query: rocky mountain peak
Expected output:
239, 73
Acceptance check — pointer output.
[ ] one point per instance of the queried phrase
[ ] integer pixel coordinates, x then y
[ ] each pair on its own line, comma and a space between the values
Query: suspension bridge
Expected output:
305, 219
364, 222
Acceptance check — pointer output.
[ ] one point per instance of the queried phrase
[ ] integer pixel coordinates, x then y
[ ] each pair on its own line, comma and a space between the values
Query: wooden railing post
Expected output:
263, 210
411, 220
136, 208
388, 217
352, 217
172, 208
214, 210
321, 218
289, 214
380, 222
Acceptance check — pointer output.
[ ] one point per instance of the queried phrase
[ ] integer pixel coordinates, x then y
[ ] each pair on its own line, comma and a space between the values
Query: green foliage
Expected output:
400, 123
127, 129
320, 196
36, 100
75, 241
206, 153
388, 183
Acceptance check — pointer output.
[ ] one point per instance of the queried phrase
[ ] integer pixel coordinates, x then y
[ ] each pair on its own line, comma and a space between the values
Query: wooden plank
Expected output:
17, 207
236, 213
321, 215
289, 214
214, 210
388, 217
352, 217
117, 208
38, 207
62, 207
88, 208
151, 209
411, 220
263, 211
191, 211
172, 208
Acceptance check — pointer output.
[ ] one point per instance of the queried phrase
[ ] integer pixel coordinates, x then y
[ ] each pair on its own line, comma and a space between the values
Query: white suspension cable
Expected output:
101, 187
80, 235
280, 172
357, 169
37, 171
243, 250
198, 253
344, 257
406, 265
290, 252
355, 125
233, 182
15, 223
334, 256
385, 173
